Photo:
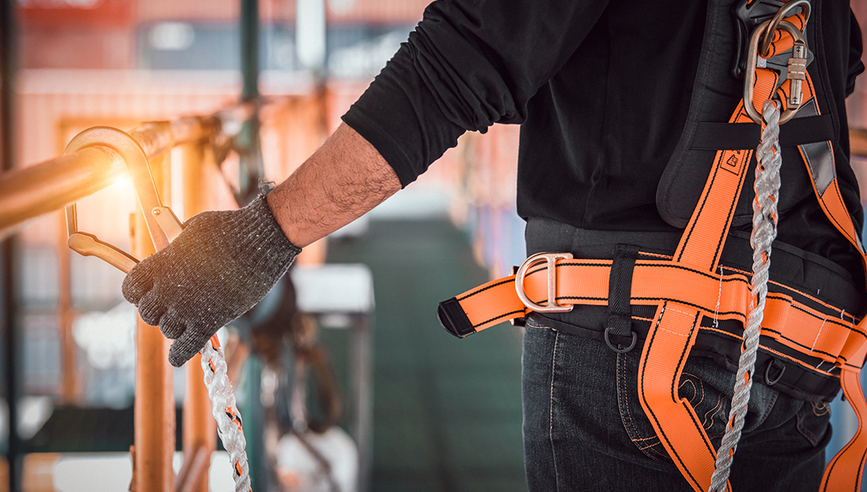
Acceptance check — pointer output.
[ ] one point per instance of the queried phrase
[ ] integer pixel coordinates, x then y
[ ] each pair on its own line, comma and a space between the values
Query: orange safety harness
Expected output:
691, 286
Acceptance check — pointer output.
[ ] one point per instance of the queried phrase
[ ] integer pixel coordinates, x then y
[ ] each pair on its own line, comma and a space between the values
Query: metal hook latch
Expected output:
162, 223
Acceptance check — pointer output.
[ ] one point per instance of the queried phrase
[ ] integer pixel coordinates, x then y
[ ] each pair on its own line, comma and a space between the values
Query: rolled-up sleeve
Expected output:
468, 64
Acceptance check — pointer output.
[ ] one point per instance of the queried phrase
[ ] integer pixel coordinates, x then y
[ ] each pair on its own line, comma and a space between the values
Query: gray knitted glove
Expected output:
220, 266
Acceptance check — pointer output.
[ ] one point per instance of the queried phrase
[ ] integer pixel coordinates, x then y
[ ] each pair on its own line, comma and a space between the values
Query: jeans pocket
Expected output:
710, 405
632, 415
813, 418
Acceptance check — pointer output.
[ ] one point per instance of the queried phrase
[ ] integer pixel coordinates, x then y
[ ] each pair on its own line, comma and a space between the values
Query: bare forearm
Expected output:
342, 181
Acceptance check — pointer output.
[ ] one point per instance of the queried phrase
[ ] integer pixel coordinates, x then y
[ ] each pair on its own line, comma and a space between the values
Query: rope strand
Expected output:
767, 186
229, 424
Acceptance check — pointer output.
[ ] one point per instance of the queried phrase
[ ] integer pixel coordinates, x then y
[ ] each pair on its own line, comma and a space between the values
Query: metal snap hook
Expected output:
161, 222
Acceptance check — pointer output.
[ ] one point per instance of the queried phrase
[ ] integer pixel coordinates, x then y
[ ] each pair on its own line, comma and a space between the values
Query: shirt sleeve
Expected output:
468, 64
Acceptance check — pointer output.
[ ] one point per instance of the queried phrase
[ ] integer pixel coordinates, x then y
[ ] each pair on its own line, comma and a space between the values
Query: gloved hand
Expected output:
218, 268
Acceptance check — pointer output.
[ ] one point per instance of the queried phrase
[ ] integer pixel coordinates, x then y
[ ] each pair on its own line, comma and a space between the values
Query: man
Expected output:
603, 91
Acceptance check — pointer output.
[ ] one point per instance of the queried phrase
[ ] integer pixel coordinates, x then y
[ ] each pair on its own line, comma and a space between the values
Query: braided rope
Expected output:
229, 425
767, 186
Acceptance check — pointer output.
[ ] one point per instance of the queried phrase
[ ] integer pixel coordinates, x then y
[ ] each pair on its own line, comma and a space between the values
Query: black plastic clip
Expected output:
454, 319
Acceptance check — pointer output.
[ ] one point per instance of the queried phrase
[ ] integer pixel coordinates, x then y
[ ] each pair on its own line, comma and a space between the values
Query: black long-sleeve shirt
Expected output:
601, 89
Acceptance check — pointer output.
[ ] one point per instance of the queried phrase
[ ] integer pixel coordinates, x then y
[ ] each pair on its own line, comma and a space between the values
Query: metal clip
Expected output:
551, 259
162, 223
797, 65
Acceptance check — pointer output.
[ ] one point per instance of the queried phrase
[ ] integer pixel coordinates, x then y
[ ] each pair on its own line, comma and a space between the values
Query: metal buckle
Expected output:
550, 259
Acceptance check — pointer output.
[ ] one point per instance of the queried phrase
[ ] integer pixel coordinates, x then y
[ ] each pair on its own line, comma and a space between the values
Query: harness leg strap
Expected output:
844, 472
671, 337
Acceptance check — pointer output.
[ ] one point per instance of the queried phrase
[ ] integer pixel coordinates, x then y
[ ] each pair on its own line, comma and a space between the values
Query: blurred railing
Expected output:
200, 141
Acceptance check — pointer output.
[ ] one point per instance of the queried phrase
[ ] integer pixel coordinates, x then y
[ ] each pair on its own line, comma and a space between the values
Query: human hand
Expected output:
218, 268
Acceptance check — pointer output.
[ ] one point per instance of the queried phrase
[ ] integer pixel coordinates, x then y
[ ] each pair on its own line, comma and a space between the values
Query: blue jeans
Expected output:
584, 428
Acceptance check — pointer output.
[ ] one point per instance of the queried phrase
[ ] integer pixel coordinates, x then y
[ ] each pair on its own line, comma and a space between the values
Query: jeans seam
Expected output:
551, 409
621, 376
647, 445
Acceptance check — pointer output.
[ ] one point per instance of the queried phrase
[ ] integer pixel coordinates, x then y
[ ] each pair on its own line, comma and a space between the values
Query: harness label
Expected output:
733, 161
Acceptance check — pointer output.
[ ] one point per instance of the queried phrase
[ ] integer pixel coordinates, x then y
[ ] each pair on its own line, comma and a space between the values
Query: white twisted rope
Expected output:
229, 425
767, 187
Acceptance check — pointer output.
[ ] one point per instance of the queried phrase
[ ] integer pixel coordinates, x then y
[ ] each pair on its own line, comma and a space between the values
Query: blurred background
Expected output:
349, 383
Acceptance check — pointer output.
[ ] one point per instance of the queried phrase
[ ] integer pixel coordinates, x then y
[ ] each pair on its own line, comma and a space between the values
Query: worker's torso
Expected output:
600, 134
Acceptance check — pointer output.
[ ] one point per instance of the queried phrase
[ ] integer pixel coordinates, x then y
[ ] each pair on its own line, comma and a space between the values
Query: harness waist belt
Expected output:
793, 318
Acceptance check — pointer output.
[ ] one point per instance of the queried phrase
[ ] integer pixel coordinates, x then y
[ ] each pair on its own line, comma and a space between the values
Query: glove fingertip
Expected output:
185, 347
171, 325
178, 356
136, 284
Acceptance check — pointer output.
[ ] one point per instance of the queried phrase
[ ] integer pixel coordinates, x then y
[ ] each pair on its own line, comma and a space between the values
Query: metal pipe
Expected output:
35, 190
154, 409
199, 429
250, 49
8, 68
858, 141
193, 475
68, 387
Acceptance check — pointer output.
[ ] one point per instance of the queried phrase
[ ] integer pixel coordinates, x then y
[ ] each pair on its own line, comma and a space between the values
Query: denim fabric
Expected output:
585, 430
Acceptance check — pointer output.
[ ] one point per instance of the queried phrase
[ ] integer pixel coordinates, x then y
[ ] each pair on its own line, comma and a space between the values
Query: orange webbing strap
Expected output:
672, 333
830, 335
844, 472
846, 469
830, 199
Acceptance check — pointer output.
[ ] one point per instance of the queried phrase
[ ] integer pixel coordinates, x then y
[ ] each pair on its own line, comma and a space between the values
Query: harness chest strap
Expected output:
680, 304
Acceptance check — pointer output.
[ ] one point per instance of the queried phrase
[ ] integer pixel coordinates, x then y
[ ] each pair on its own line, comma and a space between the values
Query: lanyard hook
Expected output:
162, 223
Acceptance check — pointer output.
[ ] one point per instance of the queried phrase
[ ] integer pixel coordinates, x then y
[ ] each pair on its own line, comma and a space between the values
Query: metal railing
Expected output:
36, 190
29, 192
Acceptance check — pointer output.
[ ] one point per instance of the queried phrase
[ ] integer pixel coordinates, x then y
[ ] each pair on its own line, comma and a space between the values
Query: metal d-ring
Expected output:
550, 259
618, 348
768, 380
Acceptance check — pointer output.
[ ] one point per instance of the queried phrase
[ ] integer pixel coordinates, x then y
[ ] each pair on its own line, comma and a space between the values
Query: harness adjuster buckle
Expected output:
551, 260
